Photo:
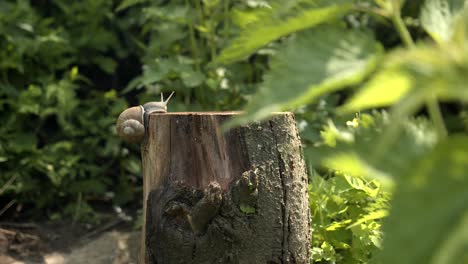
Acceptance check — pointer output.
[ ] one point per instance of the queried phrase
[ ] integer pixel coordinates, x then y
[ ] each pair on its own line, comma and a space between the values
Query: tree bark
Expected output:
234, 197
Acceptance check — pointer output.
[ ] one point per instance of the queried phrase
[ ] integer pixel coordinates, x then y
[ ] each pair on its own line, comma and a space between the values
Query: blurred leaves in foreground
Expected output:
67, 69
409, 151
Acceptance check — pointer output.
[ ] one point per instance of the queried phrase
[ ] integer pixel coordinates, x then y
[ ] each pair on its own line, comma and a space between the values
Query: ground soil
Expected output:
59, 242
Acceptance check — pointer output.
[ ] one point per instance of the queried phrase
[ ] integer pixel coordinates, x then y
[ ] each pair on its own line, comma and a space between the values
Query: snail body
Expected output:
131, 122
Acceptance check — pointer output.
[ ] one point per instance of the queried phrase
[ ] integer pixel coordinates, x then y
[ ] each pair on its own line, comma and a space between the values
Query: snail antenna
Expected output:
167, 100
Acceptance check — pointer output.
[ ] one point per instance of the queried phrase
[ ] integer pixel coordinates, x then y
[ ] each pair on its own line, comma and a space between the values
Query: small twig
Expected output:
12, 202
8, 232
8, 183
18, 233
19, 225
102, 228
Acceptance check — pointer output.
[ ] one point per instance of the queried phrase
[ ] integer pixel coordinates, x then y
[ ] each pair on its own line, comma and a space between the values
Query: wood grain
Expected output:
224, 197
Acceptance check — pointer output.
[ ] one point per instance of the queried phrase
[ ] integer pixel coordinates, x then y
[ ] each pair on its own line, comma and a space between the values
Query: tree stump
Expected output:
234, 197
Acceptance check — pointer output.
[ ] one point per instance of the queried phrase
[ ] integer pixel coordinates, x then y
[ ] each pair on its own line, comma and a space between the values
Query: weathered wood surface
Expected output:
214, 197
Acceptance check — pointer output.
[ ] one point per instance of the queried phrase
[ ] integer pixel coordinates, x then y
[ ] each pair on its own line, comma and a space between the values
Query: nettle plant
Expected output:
328, 46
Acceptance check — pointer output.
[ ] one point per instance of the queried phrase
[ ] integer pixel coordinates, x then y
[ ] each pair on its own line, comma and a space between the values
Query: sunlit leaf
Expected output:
438, 18
430, 203
384, 89
450, 248
127, 3
338, 225
317, 62
437, 71
351, 163
357, 158
429, 71
107, 64
192, 78
282, 20
371, 216
243, 18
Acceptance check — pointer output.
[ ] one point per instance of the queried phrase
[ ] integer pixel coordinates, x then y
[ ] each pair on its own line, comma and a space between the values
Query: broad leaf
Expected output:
317, 62
127, 3
436, 71
438, 18
429, 71
451, 246
192, 78
430, 208
386, 88
357, 156
283, 19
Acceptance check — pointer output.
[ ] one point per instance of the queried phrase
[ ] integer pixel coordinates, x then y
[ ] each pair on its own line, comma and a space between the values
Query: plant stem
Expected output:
193, 42
210, 37
431, 103
226, 18
212, 45
200, 12
436, 116
402, 29
77, 212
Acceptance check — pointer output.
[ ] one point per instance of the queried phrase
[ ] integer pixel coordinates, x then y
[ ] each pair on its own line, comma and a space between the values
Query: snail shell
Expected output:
130, 124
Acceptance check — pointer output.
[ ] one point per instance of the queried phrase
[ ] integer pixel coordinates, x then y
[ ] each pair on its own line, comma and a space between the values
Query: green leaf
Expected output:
192, 78
30, 100
350, 162
357, 156
282, 20
426, 72
88, 186
317, 62
370, 216
438, 18
247, 209
128, 3
338, 225
385, 88
23, 142
436, 71
106, 64
244, 18
450, 246
429, 207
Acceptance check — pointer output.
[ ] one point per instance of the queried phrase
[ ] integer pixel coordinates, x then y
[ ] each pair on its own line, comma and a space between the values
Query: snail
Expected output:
131, 122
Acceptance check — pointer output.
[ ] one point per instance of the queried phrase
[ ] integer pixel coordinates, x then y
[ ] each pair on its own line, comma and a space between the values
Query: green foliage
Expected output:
247, 209
305, 69
431, 196
188, 36
353, 147
419, 161
346, 212
67, 70
280, 19
438, 18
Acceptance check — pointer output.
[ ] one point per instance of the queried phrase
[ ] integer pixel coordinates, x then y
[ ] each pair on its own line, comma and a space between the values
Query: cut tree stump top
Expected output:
214, 196
209, 154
